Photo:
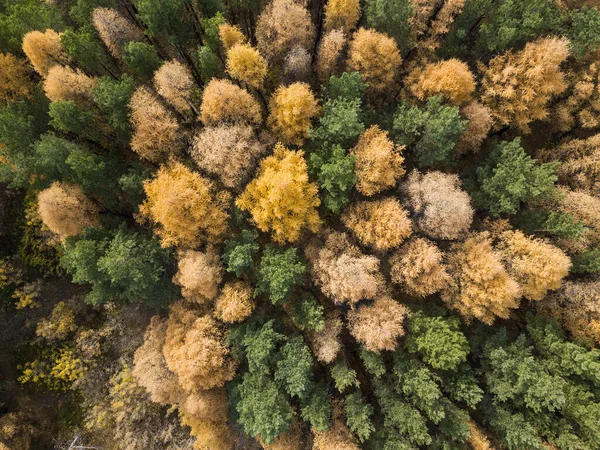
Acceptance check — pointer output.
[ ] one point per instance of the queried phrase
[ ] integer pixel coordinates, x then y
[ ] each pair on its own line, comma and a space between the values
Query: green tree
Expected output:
294, 368
358, 415
84, 47
583, 30
308, 313
166, 18
71, 118
280, 271
587, 261
316, 409
334, 170
390, 17
239, 252
343, 376
142, 59
547, 222
433, 130
113, 97
510, 177
348, 85
373, 362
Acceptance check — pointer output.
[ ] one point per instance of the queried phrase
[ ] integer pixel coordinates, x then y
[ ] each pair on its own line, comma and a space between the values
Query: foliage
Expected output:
279, 272
239, 252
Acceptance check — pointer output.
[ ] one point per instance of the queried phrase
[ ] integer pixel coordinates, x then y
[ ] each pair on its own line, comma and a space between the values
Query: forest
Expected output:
299, 224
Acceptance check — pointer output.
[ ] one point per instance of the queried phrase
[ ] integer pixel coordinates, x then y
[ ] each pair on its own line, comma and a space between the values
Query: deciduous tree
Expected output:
44, 50
246, 64
230, 35
15, 79
326, 343
341, 15
223, 101
329, 53
68, 85
479, 122
291, 110
450, 78
174, 82
234, 303
199, 274
115, 30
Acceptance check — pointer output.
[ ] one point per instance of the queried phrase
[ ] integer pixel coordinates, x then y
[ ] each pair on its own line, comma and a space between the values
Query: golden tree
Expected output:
378, 325
150, 368
536, 265
282, 25
378, 162
185, 206
451, 78
377, 58
585, 208
15, 80
115, 30
205, 413
297, 63
67, 85
327, 344
479, 124
234, 303
329, 54
342, 271
442, 209
174, 82
65, 209
230, 35
337, 437
582, 106
342, 15
195, 350
517, 86
44, 50
281, 199
480, 287
229, 151
246, 64
223, 101
156, 132
199, 274
381, 224
479, 440
291, 110
419, 268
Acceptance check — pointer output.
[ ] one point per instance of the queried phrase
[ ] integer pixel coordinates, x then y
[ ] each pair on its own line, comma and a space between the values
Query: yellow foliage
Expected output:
479, 440
582, 106
185, 206
199, 274
234, 303
174, 82
281, 199
65, 84
329, 54
59, 325
223, 101
451, 78
44, 50
327, 344
292, 439
378, 163
115, 30
341, 14
337, 437
479, 123
246, 64
230, 35
291, 110
15, 81
377, 58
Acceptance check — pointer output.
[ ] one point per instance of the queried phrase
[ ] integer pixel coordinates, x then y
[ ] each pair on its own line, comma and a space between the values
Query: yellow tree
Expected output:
223, 101
329, 54
234, 303
44, 50
15, 81
174, 82
281, 199
341, 15
291, 110
479, 288
67, 85
115, 30
517, 86
378, 162
185, 206
377, 58
246, 64
230, 35
199, 274
451, 78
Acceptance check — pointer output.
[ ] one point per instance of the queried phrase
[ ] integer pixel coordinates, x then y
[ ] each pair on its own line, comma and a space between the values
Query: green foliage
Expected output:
461, 385
460, 37
279, 273
587, 261
341, 123
343, 376
239, 252
308, 313
373, 362
510, 177
358, 415
208, 63
166, 18
71, 118
433, 130
260, 342
316, 410
125, 266
142, 59
131, 183
294, 368
211, 31
348, 85
113, 97
554, 223
263, 409
584, 30
334, 170
390, 17
81, 11
438, 340
84, 47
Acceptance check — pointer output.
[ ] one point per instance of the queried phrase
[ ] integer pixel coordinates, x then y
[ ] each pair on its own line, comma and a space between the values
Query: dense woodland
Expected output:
299, 224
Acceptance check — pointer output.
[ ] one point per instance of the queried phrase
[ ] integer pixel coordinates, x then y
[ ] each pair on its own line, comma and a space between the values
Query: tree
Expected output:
390, 17
378, 162
419, 268
195, 350
342, 271
280, 271
280, 199
230, 35
171, 19
335, 174
199, 274
246, 64
341, 15
229, 151
536, 265
340, 124
44, 50
297, 64
479, 122
534, 77
381, 224
451, 79
583, 30
68, 85
480, 287
308, 314
65, 209
343, 376
185, 207
115, 30
156, 131
234, 303
378, 325
376, 57
291, 110
113, 98
326, 343
282, 25
223, 101
329, 53
438, 340
141, 58
441, 208
510, 177
337, 437
15, 80
434, 130
174, 82
294, 368
86, 48
239, 252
